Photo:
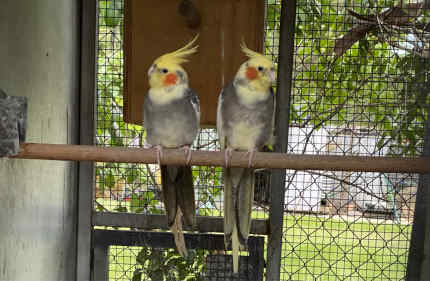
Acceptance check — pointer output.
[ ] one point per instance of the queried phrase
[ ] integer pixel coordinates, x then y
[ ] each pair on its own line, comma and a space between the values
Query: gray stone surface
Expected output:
39, 60
13, 115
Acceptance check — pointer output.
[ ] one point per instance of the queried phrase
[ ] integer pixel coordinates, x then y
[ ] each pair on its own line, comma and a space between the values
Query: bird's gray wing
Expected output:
195, 102
245, 199
272, 139
219, 121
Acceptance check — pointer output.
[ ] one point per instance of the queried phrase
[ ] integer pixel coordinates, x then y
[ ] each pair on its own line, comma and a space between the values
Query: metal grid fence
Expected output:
360, 87
355, 82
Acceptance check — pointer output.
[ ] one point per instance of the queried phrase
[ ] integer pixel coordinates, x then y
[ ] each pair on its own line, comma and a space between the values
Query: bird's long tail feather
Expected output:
235, 244
238, 199
178, 234
185, 195
178, 196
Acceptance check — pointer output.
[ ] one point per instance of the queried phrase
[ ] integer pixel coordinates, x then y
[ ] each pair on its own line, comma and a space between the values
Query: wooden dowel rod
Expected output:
216, 158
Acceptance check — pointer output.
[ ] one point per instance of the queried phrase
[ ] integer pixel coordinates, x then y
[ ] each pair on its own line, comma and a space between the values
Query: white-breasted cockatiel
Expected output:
171, 119
245, 123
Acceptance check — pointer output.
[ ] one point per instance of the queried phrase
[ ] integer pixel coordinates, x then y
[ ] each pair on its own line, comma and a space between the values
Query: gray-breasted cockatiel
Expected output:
171, 119
244, 122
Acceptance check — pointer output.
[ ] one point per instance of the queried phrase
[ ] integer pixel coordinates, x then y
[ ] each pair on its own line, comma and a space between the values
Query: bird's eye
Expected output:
164, 70
260, 68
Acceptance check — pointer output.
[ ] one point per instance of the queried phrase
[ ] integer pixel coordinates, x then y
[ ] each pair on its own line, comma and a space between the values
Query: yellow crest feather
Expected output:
252, 54
178, 56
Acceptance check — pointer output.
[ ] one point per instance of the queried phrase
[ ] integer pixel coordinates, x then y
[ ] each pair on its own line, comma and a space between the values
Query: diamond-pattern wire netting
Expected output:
352, 99
357, 80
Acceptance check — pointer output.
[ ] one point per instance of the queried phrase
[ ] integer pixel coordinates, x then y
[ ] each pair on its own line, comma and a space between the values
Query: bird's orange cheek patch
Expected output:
251, 73
170, 79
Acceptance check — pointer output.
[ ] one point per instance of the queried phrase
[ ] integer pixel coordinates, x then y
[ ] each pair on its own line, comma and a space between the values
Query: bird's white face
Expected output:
167, 82
166, 75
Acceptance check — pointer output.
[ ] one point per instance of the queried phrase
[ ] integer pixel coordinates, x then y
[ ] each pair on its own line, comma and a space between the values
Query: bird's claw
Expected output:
187, 151
227, 156
159, 151
250, 153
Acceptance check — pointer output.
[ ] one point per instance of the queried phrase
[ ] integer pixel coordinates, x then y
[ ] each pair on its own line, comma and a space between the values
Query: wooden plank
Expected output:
154, 27
165, 239
101, 262
150, 222
86, 132
418, 268
284, 88
256, 258
214, 158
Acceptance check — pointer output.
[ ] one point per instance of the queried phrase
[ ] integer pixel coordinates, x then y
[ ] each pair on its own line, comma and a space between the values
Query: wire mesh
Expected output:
360, 87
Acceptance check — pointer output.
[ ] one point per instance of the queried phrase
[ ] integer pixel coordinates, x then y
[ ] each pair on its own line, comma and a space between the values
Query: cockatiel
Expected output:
171, 119
244, 122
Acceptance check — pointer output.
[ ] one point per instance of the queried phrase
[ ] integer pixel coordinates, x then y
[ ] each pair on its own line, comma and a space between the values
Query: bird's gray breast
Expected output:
171, 125
245, 126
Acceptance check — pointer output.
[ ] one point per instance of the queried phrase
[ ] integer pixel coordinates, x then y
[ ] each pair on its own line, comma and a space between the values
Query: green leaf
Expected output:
137, 275
156, 211
131, 175
142, 256
149, 195
135, 203
122, 209
113, 13
109, 179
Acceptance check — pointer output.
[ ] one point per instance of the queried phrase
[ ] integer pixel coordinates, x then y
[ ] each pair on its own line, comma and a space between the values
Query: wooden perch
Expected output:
215, 158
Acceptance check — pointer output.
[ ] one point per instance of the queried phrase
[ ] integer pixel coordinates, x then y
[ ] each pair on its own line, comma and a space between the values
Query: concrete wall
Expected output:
39, 53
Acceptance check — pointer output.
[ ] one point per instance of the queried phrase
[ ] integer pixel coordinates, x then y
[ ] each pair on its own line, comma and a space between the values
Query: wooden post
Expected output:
277, 198
86, 137
419, 251
101, 262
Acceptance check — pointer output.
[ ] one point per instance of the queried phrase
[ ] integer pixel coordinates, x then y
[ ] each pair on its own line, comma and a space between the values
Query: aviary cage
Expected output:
359, 87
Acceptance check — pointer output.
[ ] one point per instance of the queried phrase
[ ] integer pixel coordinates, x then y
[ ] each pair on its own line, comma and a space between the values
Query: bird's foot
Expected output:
251, 153
159, 151
187, 151
227, 156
